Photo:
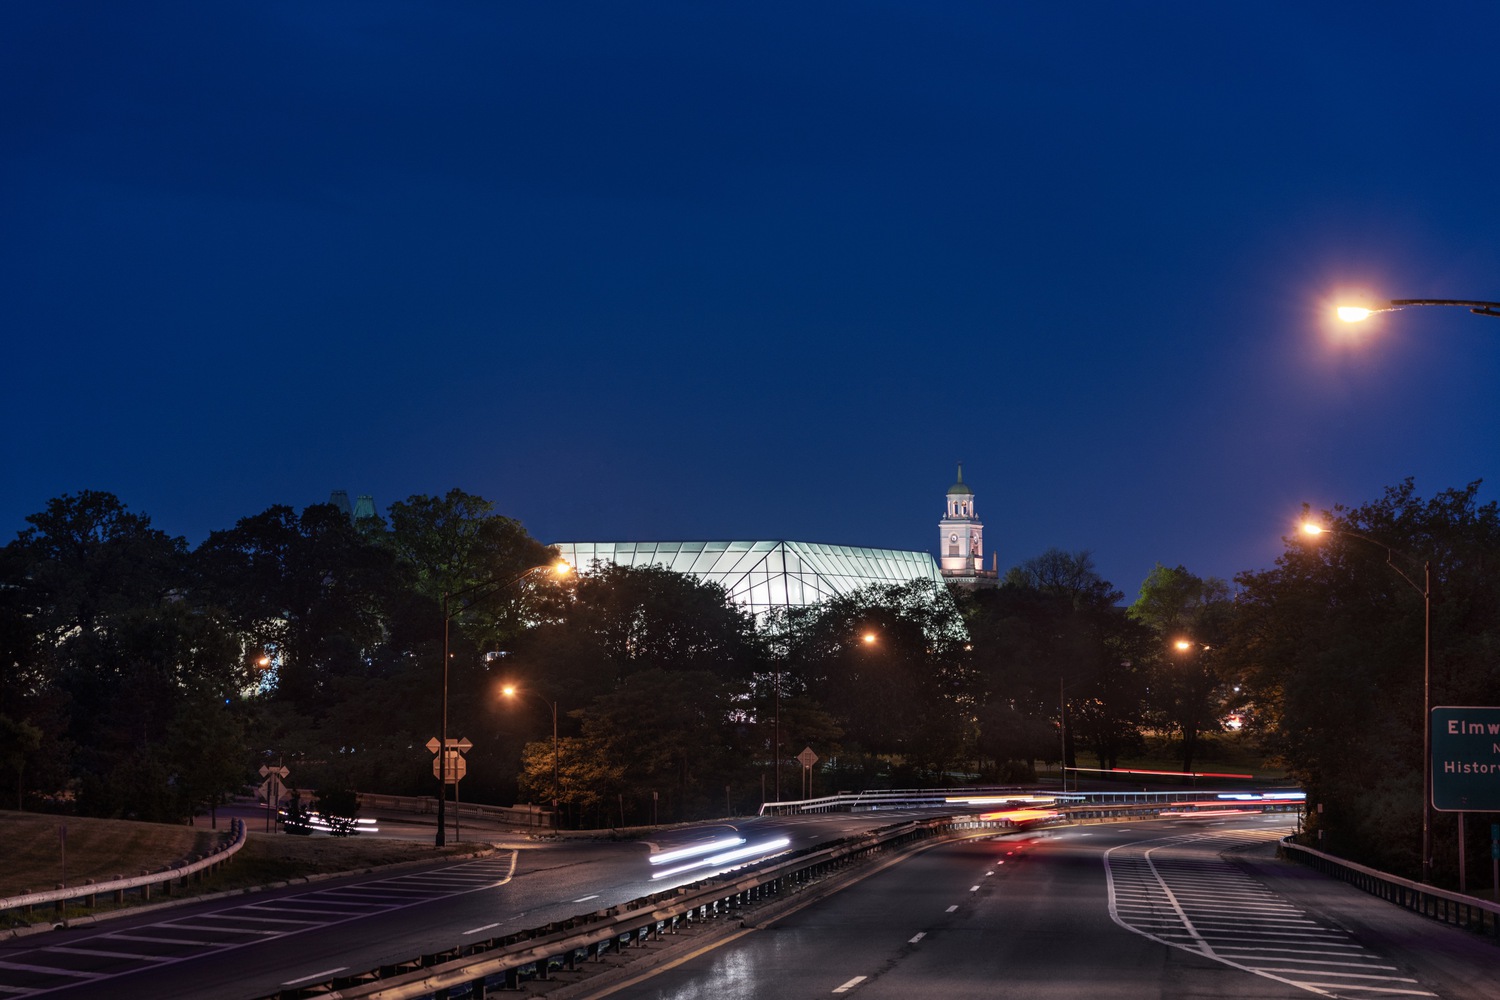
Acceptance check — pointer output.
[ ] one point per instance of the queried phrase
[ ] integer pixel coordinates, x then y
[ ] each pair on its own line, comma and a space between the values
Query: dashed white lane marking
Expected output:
973, 888
1174, 890
478, 929
585, 899
920, 936
316, 975
850, 984
951, 908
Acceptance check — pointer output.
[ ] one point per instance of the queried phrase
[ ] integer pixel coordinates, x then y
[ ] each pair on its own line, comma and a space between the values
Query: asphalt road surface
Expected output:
1153, 910
251, 945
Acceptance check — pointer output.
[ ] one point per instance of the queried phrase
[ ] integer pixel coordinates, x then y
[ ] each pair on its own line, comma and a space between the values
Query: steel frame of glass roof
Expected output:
760, 576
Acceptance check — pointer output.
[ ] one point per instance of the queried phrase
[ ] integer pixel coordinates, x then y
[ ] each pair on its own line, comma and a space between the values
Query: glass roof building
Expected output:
764, 575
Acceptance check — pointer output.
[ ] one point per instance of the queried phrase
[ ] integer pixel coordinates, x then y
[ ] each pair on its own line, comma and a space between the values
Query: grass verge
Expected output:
102, 849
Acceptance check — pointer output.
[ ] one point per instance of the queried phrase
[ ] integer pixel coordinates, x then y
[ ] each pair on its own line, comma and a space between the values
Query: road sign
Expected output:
457, 766
1465, 758
462, 745
280, 772
807, 758
272, 791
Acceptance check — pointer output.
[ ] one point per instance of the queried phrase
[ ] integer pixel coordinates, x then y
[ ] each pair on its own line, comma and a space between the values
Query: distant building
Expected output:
760, 576
961, 540
362, 508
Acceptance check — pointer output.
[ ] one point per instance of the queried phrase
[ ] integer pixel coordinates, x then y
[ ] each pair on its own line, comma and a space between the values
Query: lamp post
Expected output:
511, 691
1356, 314
1425, 589
561, 568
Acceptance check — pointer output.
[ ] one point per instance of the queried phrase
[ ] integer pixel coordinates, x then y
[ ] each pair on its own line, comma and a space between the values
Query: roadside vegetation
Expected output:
141, 679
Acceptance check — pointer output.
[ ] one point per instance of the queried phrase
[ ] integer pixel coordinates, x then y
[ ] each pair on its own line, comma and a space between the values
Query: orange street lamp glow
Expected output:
869, 638
1353, 314
1309, 528
1183, 645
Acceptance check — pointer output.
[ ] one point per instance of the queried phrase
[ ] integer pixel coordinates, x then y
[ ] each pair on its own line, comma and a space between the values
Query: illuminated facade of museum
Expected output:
763, 575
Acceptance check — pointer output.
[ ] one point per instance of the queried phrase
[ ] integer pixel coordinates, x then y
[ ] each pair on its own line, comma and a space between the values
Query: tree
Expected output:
1330, 642
1051, 644
890, 665
1190, 617
308, 589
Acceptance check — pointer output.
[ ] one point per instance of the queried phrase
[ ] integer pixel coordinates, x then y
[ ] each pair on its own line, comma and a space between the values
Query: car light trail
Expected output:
666, 857
728, 859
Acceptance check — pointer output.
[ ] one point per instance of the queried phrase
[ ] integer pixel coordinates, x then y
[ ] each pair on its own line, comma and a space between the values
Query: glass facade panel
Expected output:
760, 575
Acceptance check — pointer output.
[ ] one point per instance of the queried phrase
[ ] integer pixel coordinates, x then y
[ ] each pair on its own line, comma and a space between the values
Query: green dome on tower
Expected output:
959, 486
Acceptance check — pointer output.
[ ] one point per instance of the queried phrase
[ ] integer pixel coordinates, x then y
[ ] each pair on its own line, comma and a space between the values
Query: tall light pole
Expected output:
1425, 589
511, 691
1355, 314
561, 568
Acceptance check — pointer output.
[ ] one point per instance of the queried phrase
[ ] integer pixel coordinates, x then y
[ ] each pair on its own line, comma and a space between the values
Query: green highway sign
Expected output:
1465, 758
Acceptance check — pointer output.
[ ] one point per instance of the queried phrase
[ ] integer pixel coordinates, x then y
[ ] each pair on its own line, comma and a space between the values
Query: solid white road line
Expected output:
315, 975
484, 928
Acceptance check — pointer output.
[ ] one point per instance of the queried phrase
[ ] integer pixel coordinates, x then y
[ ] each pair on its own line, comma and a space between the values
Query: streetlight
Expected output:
1425, 589
511, 691
1356, 314
561, 568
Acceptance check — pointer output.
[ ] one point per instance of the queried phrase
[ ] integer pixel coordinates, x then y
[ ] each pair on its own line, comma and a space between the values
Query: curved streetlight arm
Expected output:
1390, 559
1479, 308
510, 691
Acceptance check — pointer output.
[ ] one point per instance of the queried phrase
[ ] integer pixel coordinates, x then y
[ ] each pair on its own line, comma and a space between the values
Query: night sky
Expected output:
708, 271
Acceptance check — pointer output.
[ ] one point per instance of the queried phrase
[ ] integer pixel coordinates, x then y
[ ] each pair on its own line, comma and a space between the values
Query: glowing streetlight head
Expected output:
869, 638
509, 690
562, 567
1310, 528
1354, 314
1183, 645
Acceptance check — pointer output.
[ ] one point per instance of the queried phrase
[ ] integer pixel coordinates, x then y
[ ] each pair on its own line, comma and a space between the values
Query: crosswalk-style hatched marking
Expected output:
44, 969
1181, 892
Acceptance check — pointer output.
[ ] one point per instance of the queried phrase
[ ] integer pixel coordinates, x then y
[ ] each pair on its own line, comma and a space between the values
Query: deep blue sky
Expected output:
685, 271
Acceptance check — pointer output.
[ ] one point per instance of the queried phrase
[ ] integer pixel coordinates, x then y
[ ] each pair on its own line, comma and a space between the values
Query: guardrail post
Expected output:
92, 899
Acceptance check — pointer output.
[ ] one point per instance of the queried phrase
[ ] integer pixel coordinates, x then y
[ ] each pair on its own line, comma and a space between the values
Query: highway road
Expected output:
1171, 909
251, 945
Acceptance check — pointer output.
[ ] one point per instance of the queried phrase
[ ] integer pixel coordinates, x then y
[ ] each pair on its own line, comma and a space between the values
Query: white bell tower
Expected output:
960, 533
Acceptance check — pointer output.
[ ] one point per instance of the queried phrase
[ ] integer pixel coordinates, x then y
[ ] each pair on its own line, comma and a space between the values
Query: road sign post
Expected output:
273, 788
449, 767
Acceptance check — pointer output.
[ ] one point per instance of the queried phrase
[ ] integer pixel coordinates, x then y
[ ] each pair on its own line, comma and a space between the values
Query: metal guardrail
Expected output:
143, 882
424, 805
501, 963
1430, 901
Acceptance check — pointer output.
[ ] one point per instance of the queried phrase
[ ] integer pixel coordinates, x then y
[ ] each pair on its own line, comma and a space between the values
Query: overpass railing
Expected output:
932, 798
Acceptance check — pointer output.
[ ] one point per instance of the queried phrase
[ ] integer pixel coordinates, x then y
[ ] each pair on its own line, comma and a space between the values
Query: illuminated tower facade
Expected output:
961, 538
